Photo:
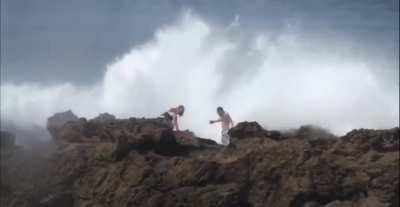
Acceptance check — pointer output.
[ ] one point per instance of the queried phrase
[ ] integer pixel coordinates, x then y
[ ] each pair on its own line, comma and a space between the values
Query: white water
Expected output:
280, 81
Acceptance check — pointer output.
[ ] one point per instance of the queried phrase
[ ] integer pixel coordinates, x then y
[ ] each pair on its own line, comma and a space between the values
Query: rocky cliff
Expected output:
108, 162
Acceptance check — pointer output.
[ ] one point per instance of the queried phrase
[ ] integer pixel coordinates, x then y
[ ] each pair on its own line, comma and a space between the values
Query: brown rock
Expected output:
56, 122
141, 162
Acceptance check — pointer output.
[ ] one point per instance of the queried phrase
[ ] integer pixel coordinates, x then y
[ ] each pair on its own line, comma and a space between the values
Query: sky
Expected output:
283, 63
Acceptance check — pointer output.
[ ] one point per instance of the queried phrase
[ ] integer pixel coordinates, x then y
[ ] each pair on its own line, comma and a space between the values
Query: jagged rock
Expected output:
104, 117
57, 121
141, 162
187, 138
246, 130
132, 134
378, 140
311, 132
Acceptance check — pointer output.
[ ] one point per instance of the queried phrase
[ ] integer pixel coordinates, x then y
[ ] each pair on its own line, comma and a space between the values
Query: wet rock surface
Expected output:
141, 162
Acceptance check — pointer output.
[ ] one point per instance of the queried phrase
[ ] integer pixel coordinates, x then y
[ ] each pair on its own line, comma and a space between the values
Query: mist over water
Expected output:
280, 80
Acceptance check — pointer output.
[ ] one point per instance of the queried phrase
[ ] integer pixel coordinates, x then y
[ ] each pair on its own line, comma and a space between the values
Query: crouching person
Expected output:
171, 116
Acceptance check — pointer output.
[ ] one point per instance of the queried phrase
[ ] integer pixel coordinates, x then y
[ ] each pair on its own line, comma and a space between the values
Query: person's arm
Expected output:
215, 121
